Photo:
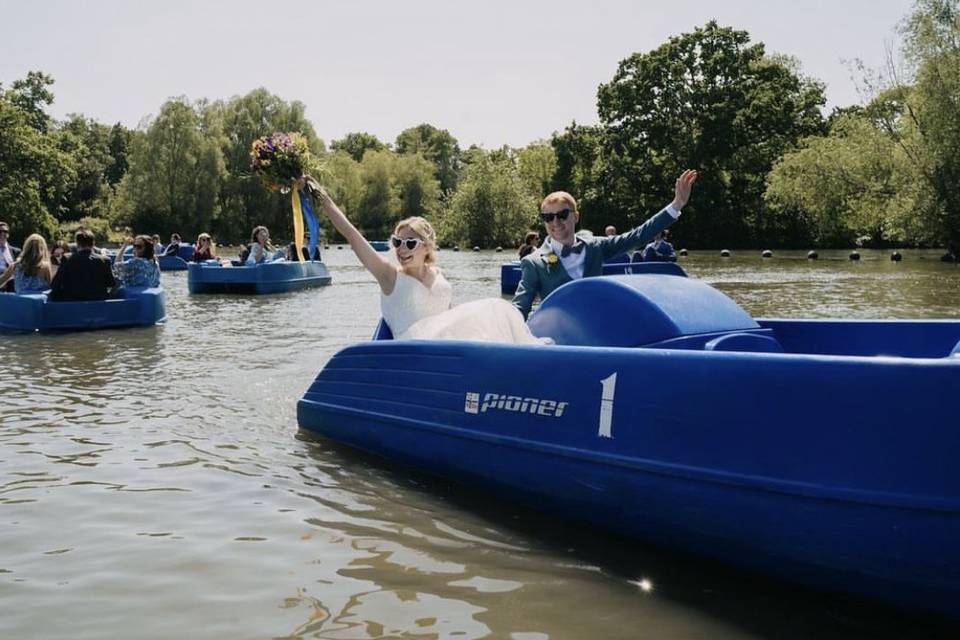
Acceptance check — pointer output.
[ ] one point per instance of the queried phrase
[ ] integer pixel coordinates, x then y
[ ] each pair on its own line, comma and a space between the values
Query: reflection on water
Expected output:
153, 485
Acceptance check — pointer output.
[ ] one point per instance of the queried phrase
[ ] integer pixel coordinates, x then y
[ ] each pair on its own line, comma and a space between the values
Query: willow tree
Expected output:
852, 183
244, 201
174, 176
926, 125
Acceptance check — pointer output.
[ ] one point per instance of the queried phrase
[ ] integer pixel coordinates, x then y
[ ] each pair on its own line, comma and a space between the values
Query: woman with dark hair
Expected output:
142, 269
60, 252
261, 249
31, 272
530, 242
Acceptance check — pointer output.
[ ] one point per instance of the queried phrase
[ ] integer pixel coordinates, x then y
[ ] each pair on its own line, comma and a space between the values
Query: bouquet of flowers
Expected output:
281, 160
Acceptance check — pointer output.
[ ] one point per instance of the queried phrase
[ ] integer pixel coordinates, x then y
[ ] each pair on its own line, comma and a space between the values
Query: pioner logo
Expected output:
516, 404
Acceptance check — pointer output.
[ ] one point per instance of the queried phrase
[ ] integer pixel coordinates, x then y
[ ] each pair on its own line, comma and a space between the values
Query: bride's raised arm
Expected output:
380, 267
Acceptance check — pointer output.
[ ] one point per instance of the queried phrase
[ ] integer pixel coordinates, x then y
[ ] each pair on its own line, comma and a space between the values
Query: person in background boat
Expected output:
142, 269
610, 231
8, 253
566, 255
60, 252
31, 272
85, 275
174, 247
530, 242
205, 249
261, 249
292, 249
415, 298
660, 250
157, 245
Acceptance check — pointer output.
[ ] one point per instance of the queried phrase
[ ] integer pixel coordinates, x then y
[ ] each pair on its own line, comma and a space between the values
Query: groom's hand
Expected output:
683, 188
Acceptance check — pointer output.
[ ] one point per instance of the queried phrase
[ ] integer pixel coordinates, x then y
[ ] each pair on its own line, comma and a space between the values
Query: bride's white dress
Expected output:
417, 312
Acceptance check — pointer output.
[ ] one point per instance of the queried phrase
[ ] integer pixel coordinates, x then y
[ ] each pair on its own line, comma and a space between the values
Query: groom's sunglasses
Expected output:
563, 214
409, 243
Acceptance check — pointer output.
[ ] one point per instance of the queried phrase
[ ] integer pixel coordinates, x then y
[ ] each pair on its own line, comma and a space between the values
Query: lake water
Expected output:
153, 484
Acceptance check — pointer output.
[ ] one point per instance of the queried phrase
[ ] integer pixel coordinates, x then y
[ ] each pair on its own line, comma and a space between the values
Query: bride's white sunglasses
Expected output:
409, 243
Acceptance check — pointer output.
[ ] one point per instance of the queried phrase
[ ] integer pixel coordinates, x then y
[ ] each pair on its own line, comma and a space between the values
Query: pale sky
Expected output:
492, 72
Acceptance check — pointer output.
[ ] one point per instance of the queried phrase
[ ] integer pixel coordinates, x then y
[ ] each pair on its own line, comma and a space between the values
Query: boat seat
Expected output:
641, 310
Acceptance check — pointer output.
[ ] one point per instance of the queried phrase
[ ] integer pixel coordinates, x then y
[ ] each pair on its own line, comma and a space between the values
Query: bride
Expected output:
415, 297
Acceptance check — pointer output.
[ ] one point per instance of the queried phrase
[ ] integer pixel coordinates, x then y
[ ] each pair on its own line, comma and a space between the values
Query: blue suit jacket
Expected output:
539, 277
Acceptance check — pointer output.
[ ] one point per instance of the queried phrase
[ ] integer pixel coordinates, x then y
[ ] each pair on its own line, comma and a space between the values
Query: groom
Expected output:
564, 256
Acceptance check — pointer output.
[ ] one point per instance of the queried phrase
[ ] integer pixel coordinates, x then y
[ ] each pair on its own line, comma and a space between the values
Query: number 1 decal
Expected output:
606, 405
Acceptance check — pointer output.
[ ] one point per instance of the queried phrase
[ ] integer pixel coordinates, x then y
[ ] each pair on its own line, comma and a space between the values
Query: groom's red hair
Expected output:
560, 196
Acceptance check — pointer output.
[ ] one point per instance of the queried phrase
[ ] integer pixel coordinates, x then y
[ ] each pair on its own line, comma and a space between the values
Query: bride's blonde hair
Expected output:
424, 231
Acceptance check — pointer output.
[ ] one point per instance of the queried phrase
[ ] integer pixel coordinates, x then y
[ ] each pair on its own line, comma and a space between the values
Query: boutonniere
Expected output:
551, 259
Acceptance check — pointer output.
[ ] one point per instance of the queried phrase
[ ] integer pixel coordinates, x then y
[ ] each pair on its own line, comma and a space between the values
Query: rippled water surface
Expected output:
153, 485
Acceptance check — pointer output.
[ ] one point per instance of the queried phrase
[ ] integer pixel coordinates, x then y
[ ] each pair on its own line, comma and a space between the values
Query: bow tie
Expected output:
576, 248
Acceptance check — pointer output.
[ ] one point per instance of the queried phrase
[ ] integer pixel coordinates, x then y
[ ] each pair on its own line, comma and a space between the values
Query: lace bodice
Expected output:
411, 301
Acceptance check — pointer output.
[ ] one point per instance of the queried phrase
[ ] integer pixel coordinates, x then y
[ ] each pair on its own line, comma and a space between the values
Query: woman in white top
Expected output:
415, 297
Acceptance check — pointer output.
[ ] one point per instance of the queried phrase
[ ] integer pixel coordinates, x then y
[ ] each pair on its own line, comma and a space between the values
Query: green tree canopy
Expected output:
709, 100
436, 145
243, 201
35, 175
358, 143
492, 207
537, 165
379, 208
32, 95
929, 128
852, 183
175, 174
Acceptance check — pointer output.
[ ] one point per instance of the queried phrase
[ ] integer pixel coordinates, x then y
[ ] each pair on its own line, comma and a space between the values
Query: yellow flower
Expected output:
552, 259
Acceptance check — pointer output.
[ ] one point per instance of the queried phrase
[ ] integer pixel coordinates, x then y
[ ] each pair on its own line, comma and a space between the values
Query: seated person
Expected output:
261, 249
31, 273
660, 250
174, 247
142, 269
530, 242
84, 275
204, 249
157, 245
243, 253
61, 251
305, 250
8, 253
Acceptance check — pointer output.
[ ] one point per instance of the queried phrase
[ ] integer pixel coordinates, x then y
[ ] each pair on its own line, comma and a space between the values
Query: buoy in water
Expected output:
896, 257
456, 247
766, 253
476, 248
683, 252
339, 246
498, 249
725, 253
812, 255
854, 255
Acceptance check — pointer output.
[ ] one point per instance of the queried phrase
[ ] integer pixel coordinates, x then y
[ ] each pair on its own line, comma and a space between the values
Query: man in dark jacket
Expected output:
8, 253
85, 275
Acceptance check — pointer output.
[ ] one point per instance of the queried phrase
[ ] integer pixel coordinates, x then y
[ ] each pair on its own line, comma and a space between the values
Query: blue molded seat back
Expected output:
636, 310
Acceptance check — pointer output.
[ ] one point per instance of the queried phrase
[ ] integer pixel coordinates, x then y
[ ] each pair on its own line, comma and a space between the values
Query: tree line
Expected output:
774, 170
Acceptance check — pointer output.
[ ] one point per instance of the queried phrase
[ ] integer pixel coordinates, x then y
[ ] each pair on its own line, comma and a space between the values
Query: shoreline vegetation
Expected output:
776, 172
